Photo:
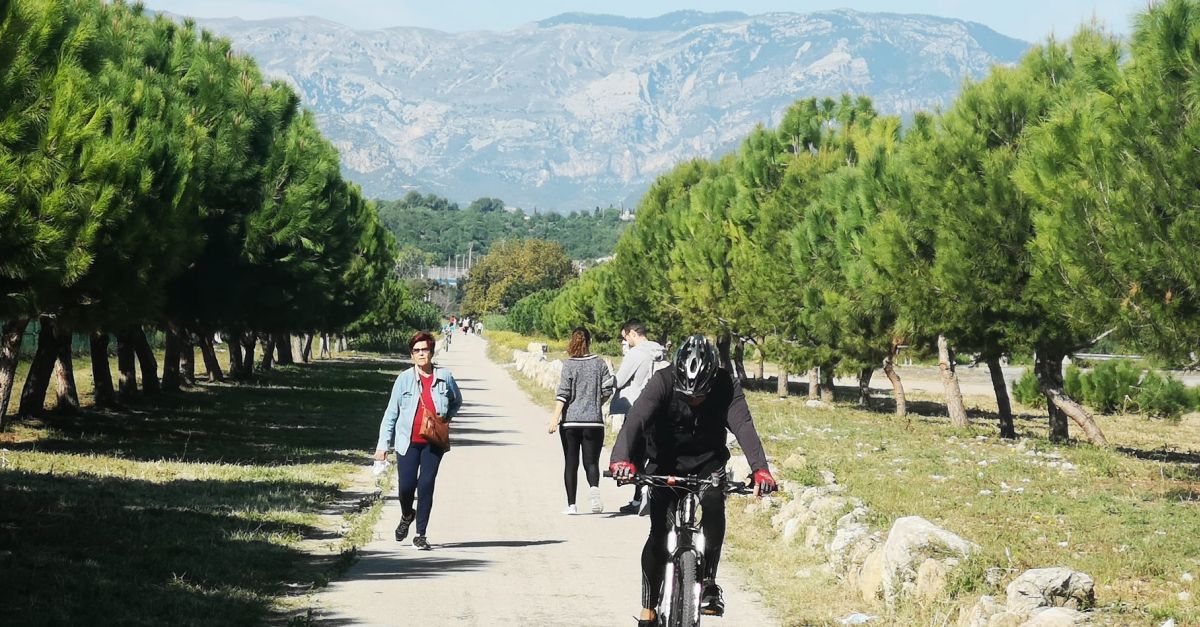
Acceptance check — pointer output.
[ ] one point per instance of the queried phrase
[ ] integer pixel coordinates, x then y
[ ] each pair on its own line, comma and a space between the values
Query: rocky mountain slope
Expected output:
583, 110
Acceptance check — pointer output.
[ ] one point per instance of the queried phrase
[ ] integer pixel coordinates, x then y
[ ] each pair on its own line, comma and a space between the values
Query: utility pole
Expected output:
470, 251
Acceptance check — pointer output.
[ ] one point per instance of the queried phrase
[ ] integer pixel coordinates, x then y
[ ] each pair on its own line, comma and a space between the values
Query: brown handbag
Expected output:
435, 430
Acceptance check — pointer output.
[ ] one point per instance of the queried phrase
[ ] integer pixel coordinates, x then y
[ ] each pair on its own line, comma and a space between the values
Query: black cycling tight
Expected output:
590, 440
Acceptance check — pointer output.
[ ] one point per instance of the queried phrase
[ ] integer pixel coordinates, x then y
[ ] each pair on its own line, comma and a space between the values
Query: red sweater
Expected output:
426, 401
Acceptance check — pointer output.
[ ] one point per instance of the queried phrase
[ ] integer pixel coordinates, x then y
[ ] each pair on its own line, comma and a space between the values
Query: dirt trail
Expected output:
503, 554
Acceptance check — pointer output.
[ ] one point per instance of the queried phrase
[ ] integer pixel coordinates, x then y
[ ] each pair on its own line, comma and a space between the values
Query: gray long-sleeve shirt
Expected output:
585, 383
633, 374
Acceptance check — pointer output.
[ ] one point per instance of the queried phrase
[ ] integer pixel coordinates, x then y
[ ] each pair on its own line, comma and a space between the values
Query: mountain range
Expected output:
583, 110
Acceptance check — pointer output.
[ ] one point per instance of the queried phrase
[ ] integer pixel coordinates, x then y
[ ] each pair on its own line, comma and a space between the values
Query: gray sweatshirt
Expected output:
633, 374
586, 382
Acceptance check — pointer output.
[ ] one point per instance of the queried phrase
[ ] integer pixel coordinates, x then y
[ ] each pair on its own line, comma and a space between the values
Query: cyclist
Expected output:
681, 418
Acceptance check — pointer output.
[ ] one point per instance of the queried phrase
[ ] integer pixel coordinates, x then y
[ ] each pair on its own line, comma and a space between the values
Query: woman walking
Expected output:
417, 394
587, 381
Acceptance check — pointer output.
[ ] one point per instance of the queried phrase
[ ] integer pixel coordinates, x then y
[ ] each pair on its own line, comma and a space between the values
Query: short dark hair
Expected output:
634, 325
580, 342
421, 336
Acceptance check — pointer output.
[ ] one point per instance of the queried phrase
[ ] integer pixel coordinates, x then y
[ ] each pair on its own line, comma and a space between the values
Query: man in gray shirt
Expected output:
643, 358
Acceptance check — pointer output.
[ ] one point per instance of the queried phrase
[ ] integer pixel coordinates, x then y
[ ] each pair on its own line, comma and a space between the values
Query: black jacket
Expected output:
680, 439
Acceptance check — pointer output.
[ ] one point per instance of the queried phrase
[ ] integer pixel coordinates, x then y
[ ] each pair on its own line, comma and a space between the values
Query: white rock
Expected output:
1184, 596
1046, 587
1186, 578
909, 542
814, 404
1055, 617
981, 613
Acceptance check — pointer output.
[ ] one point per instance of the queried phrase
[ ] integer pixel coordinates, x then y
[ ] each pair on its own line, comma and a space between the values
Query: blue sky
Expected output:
1031, 20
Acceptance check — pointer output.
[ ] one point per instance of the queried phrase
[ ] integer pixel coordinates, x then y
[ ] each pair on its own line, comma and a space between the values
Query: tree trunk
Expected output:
126, 366
739, 360
211, 364
781, 383
954, 401
306, 352
248, 341
145, 357
760, 369
341, 344
172, 355
324, 346
236, 360
187, 361
827, 391
864, 386
102, 384
33, 394
64, 375
1004, 407
268, 358
814, 383
1048, 367
10, 347
889, 369
283, 346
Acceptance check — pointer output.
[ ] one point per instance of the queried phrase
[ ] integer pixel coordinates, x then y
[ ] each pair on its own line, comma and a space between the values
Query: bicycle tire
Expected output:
685, 593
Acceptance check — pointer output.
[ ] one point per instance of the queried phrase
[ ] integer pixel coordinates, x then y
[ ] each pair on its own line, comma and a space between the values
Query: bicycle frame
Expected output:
680, 603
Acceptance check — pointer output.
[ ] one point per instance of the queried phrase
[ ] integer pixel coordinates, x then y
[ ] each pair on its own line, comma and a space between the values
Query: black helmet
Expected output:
695, 366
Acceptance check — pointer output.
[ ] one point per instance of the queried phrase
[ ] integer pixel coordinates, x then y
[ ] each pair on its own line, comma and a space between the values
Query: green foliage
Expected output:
437, 227
1111, 385
526, 316
1026, 391
1073, 382
513, 270
497, 322
1164, 397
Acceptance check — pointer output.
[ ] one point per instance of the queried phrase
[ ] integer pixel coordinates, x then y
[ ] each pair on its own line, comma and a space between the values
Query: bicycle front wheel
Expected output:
685, 593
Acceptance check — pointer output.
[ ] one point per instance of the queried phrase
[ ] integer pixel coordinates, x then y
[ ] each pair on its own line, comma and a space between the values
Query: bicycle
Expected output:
685, 543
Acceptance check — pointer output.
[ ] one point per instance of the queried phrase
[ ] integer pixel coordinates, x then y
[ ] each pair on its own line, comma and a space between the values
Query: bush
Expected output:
1073, 382
526, 315
1026, 391
1164, 397
609, 348
496, 322
1110, 385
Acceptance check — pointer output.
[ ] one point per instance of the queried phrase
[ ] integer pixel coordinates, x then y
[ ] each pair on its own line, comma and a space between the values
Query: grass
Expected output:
220, 504
1127, 515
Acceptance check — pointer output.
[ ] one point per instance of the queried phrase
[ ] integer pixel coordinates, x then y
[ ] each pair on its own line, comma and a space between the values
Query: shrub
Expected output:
1026, 391
496, 322
1110, 385
1164, 397
526, 316
1073, 382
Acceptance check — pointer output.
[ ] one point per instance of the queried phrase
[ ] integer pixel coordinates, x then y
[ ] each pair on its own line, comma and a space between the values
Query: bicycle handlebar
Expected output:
689, 482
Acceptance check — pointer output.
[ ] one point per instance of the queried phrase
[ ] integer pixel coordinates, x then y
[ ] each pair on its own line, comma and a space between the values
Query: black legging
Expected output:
590, 440
654, 553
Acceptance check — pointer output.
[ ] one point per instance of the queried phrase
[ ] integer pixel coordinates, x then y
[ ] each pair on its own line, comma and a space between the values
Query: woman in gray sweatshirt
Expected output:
587, 381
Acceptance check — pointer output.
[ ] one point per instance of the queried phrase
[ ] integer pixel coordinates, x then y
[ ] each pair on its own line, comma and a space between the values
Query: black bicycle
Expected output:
685, 566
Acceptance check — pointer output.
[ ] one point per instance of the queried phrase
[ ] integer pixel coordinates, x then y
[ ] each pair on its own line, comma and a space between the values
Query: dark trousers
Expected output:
418, 470
585, 440
654, 553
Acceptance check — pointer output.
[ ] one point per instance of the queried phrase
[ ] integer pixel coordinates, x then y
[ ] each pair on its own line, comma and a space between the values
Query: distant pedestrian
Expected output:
586, 383
640, 361
417, 394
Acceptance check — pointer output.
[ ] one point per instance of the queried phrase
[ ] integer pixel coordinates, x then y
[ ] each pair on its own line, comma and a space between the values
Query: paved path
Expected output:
503, 554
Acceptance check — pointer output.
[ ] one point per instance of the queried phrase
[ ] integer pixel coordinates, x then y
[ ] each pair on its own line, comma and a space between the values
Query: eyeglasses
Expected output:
422, 350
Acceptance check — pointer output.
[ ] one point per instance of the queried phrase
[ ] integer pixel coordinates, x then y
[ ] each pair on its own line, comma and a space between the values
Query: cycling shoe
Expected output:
712, 602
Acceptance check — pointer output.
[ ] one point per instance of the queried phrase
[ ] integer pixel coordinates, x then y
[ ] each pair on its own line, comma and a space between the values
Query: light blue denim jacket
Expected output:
402, 406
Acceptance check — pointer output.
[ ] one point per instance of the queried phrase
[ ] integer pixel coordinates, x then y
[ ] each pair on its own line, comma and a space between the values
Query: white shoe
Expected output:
570, 511
597, 506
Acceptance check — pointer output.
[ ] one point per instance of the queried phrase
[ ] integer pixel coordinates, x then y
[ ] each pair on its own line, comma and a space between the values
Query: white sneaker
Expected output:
597, 506
570, 511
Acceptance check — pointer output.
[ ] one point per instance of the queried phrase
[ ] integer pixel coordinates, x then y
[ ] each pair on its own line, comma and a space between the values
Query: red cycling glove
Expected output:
622, 471
764, 481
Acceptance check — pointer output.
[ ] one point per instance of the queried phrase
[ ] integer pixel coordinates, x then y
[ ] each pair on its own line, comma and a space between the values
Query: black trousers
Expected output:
577, 440
654, 553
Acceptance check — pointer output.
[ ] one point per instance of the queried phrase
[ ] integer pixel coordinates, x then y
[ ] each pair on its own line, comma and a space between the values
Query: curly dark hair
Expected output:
421, 336
580, 342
